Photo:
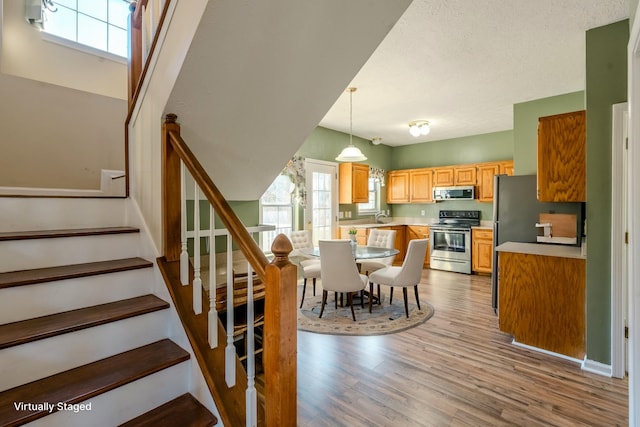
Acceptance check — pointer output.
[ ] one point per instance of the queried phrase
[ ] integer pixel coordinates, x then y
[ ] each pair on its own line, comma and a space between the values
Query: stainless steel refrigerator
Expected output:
515, 214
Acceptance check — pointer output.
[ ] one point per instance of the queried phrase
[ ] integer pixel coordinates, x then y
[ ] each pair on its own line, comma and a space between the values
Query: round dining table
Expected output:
360, 253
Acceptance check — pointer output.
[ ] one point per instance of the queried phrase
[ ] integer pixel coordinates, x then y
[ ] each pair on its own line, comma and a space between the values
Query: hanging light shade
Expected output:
351, 153
419, 127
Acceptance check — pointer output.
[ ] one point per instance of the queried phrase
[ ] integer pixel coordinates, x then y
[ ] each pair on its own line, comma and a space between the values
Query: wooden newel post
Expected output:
171, 188
280, 337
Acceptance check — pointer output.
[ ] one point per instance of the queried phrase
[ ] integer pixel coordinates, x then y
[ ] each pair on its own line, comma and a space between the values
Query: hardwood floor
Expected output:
457, 369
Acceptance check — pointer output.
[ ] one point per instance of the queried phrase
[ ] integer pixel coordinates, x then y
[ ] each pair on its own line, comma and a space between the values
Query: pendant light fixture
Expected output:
351, 153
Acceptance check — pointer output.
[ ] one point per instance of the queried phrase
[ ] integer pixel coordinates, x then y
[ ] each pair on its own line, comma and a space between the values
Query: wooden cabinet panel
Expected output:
561, 157
541, 302
398, 186
354, 183
421, 186
361, 236
506, 167
482, 250
443, 177
486, 172
419, 232
465, 175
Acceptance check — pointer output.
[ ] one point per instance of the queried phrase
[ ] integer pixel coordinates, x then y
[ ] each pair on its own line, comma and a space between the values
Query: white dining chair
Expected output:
339, 273
407, 275
381, 239
301, 239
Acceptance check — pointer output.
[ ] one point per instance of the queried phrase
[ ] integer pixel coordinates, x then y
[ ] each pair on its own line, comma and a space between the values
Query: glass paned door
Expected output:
322, 199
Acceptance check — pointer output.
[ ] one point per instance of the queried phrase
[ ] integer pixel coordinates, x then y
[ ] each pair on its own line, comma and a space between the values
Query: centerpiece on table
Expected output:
352, 234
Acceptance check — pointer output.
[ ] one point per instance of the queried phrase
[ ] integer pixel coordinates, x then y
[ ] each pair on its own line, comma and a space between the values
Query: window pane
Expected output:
62, 23
117, 41
94, 8
68, 3
92, 32
118, 13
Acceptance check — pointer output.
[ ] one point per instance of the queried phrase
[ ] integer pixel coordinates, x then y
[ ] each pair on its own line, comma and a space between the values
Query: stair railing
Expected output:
278, 279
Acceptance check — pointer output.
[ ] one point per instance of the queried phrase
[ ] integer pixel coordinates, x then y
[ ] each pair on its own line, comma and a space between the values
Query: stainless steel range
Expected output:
450, 240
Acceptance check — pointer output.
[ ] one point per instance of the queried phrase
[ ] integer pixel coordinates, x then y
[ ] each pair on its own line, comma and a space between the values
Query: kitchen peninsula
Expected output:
541, 296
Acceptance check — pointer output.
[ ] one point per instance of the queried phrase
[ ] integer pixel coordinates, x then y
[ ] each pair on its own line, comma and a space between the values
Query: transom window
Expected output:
373, 205
99, 24
276, 208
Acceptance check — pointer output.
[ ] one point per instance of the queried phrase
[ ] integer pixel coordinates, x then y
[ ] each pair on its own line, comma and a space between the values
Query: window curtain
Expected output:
378, 174
296, 172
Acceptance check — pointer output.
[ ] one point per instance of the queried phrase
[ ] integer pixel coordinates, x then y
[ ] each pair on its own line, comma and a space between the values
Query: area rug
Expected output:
384, 319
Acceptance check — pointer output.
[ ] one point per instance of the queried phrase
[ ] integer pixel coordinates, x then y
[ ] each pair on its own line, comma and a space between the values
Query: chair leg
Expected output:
335, 296
350, 302
362, 298
314, 286
406, 302
304, 288
415, 288
371, 296
391, 296
379, 299
324, 301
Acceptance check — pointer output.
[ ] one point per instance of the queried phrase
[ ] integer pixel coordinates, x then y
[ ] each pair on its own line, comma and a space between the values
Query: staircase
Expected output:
83, 338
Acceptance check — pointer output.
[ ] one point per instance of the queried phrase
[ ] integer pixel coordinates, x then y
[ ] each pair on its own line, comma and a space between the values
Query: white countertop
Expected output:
561, 251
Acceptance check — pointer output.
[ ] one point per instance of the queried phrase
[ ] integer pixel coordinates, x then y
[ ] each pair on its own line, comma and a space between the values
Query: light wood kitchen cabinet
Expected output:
443, 177
419, 232
421, 186
465, 175
398, 186
354, 183
482, 250
541, 301
562, 158
506, 167
486, 172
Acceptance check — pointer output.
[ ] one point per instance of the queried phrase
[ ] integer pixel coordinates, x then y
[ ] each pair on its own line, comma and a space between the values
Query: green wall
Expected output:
326, 144
525, 127
456, 151
606, 84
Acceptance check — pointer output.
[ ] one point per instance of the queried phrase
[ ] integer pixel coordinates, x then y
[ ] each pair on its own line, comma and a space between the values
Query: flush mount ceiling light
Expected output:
351, 153
376, 141
419, 127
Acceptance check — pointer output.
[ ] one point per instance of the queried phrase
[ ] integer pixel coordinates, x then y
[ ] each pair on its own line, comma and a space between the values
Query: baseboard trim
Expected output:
550, 353
597, 368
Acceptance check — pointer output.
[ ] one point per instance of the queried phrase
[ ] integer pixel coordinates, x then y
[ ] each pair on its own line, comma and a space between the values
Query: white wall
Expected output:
24, 53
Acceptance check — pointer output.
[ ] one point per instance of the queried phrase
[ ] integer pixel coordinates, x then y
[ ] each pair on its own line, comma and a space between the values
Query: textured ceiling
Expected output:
463, 64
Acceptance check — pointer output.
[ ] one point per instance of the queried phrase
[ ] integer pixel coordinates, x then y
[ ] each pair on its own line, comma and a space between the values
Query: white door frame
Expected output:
619, 279
334, 194
633, 79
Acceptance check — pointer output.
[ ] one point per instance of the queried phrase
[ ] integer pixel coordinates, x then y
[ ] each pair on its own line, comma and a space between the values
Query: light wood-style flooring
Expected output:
457, 369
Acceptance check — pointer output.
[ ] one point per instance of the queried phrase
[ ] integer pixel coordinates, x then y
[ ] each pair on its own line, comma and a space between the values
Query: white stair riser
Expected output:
26, 302
44, 213
126, 402
39, 253
28, 362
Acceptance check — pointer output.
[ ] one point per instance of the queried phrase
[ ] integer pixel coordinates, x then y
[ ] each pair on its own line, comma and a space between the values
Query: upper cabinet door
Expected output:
561, 158
465, 175
354, 183
421, 190
398, 186
443, 177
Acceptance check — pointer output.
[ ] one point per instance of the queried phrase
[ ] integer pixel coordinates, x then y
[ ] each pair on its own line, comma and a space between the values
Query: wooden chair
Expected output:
408, 274
339, 273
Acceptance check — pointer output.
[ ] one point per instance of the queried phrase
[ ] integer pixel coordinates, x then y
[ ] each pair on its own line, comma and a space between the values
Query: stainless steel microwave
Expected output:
454, 193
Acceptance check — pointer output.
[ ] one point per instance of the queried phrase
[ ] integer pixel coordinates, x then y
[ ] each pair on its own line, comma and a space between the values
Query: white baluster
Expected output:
251, 400
184, 255
197, 281
230, 350
213, 313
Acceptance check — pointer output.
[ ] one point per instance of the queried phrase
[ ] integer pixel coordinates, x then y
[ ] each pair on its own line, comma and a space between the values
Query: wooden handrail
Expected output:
175, 148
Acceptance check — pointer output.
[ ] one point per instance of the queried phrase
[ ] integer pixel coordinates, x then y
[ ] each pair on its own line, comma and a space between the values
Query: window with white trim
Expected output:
98, 24
373, 205
276, 208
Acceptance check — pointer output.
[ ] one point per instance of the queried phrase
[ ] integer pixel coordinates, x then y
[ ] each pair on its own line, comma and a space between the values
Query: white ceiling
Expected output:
462, 65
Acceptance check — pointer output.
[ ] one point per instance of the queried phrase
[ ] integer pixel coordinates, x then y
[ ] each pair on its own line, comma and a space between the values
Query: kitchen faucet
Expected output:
378, 215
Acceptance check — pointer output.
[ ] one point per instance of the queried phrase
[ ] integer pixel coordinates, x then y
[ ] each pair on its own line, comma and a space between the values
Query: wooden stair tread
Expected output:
49, 274
183, 411
16, 333
71, 232
84, 382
